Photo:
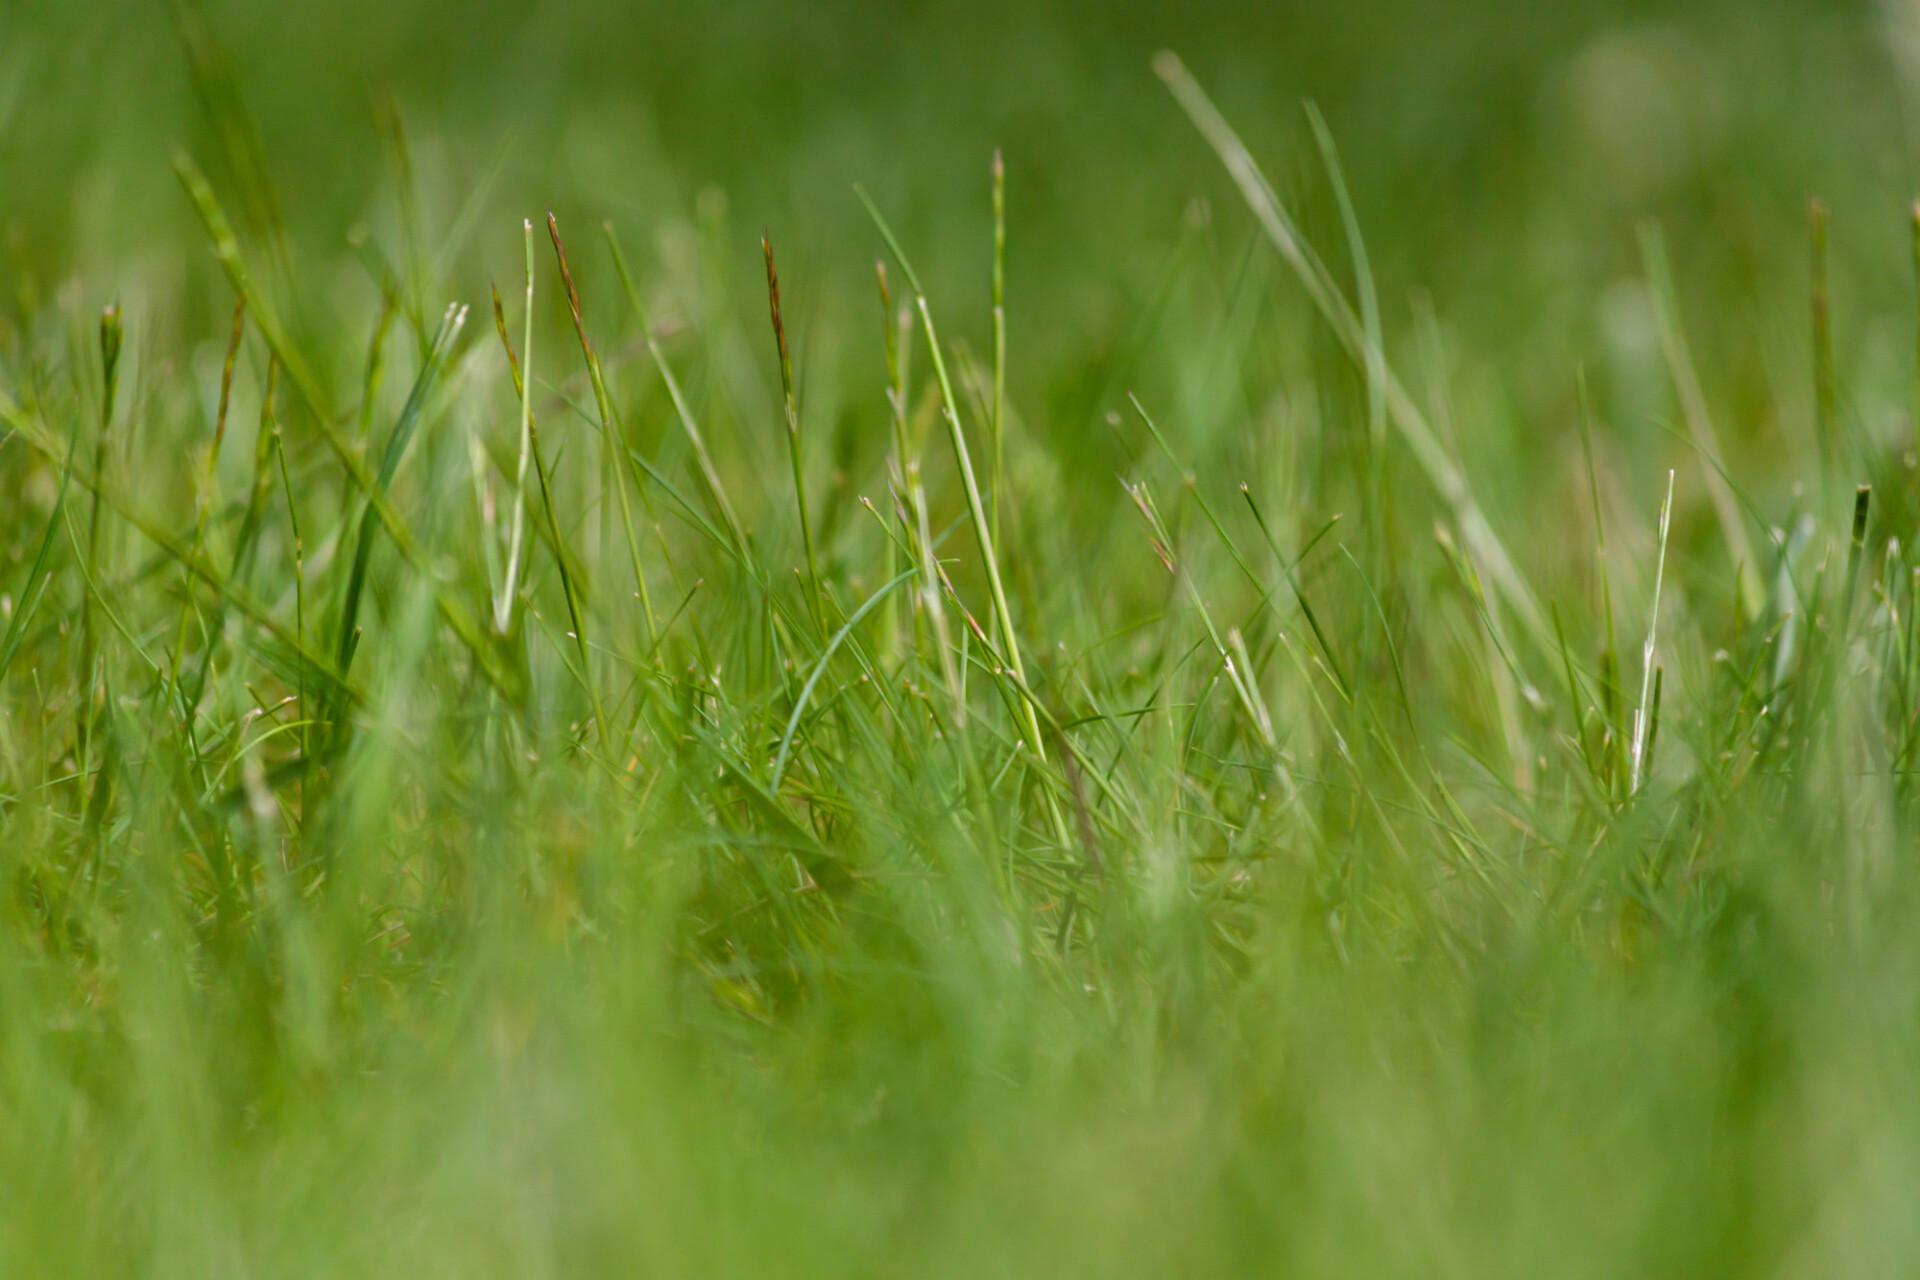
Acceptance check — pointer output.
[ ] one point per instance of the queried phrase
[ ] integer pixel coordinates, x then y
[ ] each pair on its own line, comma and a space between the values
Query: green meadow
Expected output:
959, 639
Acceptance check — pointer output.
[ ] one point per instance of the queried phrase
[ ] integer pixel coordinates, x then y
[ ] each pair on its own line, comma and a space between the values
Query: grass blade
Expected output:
716, 490
346, 632
1643, 715
793, 437
820, 669
604, 402
1403, 412
1693, 405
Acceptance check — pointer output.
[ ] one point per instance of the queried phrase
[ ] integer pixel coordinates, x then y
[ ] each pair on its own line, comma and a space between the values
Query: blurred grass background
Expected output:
1500, 153
531, 1024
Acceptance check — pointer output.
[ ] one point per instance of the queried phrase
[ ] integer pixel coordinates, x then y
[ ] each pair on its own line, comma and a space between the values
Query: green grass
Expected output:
617, 790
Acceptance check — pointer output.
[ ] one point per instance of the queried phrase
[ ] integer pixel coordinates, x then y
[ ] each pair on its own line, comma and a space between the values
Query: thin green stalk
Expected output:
189, 702
793, 438
1375, 361
347, 636
299, 597
604, 402
209, 473
263, 445
897, 328
1609, 656
226, 388
709, 473
112, 337
1653, 725
522, 381
503, 608
932, 579
976, 510
996, 479
897, 424
1856, 556
1290, 569
1642, 716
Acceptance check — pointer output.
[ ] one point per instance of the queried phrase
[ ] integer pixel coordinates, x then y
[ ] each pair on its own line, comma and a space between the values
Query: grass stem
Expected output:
788, 402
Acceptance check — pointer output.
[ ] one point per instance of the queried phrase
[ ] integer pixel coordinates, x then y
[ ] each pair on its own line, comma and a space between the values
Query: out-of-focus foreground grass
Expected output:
1349, 711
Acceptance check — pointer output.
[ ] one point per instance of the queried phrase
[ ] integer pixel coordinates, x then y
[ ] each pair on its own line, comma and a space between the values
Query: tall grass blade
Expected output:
1403, 412
793, 437
616, 453
346, 630
1643, 715
716, 489
1693, 406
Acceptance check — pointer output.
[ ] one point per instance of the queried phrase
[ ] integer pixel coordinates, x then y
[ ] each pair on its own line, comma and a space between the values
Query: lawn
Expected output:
959, 639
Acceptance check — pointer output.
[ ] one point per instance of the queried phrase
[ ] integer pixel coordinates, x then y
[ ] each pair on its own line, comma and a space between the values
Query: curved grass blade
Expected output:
820, 669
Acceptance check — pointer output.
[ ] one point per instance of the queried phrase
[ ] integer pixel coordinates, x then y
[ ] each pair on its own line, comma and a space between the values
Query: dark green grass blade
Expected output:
403, 430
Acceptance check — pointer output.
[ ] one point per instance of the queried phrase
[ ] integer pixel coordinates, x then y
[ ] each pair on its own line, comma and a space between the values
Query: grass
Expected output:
662, 806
